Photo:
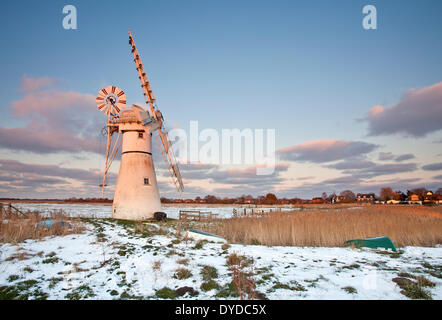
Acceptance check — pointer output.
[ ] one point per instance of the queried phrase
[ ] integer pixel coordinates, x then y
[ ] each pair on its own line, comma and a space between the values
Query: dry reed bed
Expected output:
406, 226
16, 227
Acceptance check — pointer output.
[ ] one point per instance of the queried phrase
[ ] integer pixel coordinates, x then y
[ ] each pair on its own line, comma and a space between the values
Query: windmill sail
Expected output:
165, 147
110, 100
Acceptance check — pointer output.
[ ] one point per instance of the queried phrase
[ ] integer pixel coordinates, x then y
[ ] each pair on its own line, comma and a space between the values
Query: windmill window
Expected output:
146, 181
140, 135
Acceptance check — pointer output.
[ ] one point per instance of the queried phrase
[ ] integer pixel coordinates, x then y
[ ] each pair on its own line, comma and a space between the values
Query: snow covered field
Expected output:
104, 211
112, 261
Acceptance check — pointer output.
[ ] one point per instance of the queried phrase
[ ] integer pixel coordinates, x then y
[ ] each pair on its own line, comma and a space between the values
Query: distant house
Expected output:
338, 199
414, 199
365, 197
428, 196
318, 200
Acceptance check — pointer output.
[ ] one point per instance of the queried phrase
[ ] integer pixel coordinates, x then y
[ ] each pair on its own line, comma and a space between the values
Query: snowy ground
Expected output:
111, 261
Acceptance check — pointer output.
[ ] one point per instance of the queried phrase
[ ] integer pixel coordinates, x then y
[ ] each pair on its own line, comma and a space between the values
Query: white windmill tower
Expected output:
136, 194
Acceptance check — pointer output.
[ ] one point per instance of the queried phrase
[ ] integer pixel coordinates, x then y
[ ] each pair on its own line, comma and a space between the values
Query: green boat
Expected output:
374, 243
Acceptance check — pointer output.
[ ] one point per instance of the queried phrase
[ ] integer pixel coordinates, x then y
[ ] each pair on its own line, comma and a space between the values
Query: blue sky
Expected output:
306, 68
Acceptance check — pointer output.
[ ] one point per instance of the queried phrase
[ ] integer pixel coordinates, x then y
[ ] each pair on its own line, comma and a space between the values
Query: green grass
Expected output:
23, 290
13, 277
81, 292
209, 285
209, 273
126, 296
166, 293
53, 282
228, 290
415, 291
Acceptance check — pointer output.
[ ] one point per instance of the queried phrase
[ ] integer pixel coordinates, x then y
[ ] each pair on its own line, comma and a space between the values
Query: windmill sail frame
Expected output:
166, 150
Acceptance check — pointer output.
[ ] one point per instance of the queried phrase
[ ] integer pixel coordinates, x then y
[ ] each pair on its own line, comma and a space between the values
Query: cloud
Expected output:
216, 174
390, 156
305, 178
439, 177
433, 167
405, 157
344, 181
34, 84
352, 164
196, 166
320, 151
418, 113
386, 156
13, 170
385, 169
361, 168
55, 121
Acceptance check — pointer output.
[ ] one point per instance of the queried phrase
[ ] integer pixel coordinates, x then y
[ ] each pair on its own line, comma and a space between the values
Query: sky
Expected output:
351, 108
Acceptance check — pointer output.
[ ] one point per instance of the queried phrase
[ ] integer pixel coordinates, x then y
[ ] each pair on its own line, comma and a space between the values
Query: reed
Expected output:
405, 225
16, 226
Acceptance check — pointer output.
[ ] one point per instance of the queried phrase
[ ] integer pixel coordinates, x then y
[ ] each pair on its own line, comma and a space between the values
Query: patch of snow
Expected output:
120, 261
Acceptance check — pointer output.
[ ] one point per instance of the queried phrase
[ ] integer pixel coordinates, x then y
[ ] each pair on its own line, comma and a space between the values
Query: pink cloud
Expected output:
418, 113
34, 84
55, 121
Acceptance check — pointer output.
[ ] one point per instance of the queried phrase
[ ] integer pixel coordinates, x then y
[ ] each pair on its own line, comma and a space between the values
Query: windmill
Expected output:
136, 193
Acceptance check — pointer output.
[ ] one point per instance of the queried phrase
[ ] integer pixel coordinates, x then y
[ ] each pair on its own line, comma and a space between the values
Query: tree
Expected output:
401, 196
270, 198
387, 194
210, 199
324, 195
419, 191
348, 194
439, 191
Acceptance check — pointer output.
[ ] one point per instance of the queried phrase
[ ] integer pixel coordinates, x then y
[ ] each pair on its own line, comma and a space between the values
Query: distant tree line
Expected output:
345, 196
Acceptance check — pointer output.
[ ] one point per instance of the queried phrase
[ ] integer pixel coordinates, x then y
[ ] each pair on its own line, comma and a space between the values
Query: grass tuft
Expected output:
182, 273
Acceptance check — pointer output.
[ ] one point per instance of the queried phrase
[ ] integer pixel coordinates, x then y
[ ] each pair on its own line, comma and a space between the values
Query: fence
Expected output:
9, 208
197, 215
253, 212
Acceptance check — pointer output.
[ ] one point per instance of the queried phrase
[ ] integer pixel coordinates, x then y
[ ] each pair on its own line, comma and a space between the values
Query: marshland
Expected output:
294, 253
